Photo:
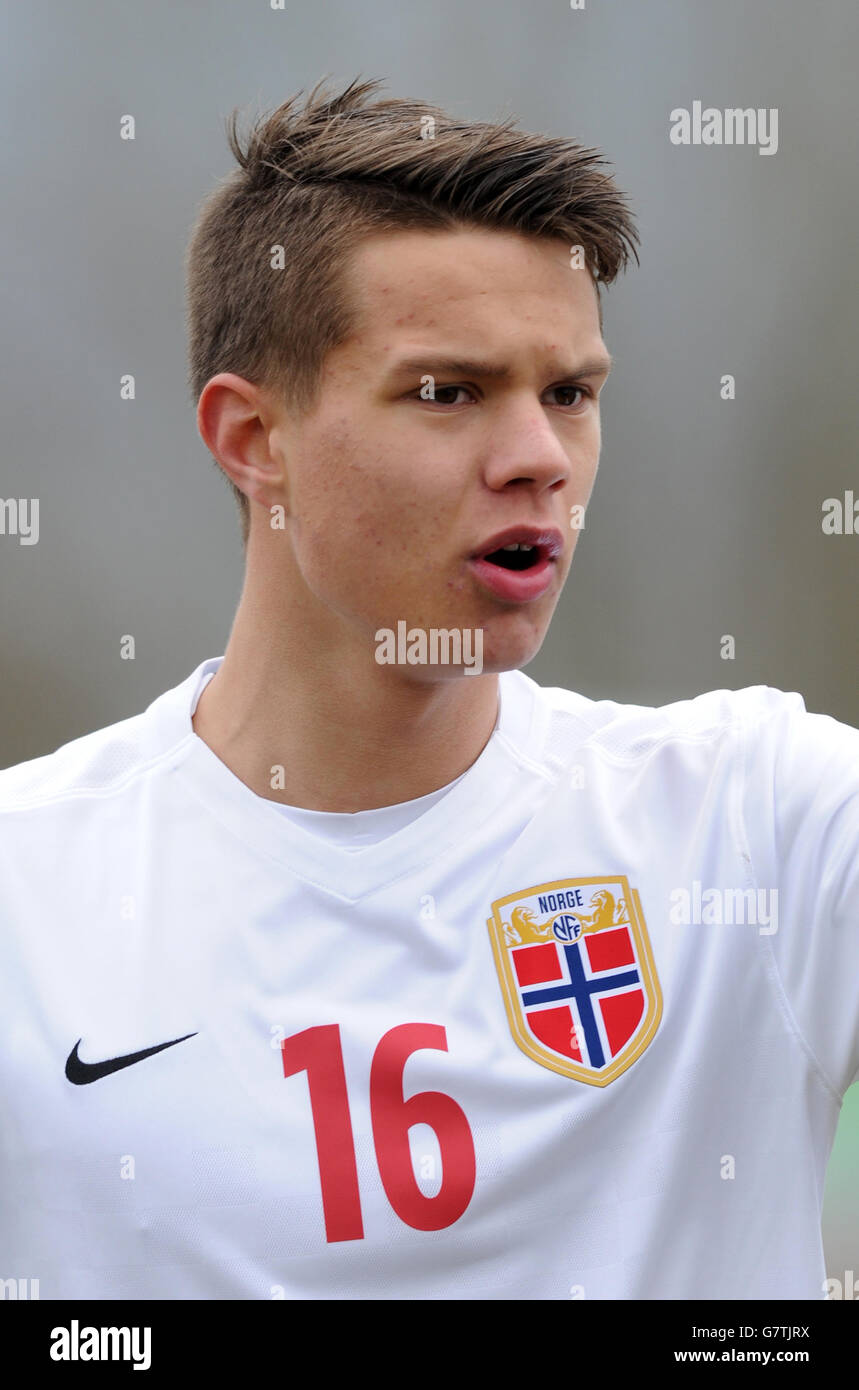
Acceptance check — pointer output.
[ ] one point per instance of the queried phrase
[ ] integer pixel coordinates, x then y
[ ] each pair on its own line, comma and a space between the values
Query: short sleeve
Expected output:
800, 808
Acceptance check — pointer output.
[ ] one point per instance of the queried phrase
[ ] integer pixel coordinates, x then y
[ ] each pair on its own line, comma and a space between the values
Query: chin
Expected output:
510, 651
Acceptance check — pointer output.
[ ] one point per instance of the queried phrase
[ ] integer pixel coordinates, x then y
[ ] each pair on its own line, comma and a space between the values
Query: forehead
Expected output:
471, 282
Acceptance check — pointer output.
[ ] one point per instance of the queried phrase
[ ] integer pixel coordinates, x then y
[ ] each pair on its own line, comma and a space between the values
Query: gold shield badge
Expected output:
577, 974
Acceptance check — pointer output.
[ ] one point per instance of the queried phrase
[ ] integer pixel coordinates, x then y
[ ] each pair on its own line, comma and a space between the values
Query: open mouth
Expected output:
515, 556
523, 567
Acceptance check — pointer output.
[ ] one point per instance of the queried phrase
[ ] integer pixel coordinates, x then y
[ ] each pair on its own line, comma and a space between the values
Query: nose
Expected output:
524, 448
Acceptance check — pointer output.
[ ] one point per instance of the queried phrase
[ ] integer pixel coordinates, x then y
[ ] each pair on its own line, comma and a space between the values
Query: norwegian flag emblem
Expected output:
577, 973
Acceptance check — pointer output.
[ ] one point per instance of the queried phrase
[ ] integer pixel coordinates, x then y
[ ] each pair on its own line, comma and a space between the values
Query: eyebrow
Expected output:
461, 366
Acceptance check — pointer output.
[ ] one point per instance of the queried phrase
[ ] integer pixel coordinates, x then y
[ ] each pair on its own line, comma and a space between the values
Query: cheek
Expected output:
585, 458
369, 510
354, 523
325, 480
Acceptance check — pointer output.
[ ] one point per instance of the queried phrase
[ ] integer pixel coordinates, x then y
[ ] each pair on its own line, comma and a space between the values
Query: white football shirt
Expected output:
581, 1029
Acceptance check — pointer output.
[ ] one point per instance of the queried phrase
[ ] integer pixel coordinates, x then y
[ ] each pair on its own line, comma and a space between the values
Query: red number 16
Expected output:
318, 1051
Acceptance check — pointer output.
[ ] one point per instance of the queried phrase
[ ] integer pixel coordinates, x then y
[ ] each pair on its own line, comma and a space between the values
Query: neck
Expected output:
307, 717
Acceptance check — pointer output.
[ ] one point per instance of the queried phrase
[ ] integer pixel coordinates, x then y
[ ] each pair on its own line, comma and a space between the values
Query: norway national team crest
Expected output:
577, 973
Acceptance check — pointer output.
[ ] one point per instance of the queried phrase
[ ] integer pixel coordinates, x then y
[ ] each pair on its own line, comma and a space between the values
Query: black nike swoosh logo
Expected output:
82, 1073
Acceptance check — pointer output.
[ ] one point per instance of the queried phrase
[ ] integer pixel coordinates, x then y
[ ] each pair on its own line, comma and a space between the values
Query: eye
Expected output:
444, 395
582, 391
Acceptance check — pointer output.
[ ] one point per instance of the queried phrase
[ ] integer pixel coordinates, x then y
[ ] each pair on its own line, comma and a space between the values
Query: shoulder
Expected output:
571, 723
100, 764
91, 765
93, 768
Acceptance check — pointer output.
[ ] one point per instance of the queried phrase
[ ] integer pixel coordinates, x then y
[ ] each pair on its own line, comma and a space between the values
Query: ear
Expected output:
234, 422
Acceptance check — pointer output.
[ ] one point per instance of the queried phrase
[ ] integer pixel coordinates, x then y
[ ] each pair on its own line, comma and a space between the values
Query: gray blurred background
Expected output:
706, 519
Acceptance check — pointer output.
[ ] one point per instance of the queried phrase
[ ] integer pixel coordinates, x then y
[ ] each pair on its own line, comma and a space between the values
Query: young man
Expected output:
362, 966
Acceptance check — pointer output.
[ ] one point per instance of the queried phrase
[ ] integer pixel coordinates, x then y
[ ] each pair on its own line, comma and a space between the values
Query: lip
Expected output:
519, 586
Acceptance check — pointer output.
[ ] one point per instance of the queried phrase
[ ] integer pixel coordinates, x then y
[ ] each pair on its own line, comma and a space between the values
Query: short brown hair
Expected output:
315, 178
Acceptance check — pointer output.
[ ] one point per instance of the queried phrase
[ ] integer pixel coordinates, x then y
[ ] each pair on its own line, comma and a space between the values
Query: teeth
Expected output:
517, 546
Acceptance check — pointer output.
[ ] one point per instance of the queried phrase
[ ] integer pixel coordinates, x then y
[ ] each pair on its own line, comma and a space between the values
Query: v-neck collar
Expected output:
350, 873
